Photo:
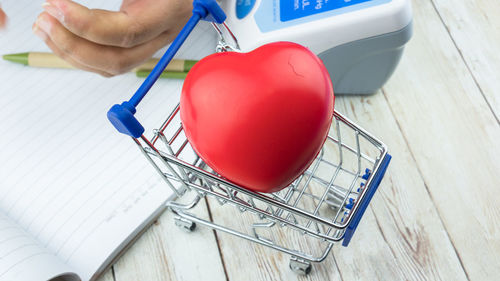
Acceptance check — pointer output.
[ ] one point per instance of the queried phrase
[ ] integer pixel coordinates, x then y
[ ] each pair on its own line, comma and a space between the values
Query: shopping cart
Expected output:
321, 207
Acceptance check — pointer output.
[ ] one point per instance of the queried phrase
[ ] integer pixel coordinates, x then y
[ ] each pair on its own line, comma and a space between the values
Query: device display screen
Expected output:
294, 9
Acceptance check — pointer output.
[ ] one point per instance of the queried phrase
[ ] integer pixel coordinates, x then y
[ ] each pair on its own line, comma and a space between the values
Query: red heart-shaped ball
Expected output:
260, 118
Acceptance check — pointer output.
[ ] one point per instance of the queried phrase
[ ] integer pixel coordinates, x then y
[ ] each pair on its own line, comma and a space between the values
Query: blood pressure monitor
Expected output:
360, 41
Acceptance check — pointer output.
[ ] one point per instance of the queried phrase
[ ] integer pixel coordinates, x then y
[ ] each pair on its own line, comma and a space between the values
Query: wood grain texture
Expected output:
107, 276
166, 252
474, 26
248, 261
407, 221
435, 216
454, 138
402, 238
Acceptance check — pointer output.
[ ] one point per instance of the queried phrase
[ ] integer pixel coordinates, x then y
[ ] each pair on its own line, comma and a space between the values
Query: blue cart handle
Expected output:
377, 178
122, 115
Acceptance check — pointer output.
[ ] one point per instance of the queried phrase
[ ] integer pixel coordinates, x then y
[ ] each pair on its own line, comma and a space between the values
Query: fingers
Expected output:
3, 18
40, 33
106, 42
137, 22
87, 54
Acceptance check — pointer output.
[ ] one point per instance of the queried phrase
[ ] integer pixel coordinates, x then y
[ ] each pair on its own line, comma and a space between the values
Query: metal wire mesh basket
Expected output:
321, 207
324, 204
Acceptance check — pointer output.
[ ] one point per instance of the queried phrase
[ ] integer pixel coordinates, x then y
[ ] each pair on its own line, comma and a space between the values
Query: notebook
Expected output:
73, 191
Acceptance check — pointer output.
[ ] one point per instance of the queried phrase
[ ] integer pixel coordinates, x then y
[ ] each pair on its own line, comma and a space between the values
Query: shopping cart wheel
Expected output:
185, 224
300, 266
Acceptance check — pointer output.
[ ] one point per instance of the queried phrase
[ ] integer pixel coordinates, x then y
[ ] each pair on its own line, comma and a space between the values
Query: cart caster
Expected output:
300, 266
184, 224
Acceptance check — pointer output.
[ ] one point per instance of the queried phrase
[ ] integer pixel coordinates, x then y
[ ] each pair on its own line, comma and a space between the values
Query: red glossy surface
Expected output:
259, 118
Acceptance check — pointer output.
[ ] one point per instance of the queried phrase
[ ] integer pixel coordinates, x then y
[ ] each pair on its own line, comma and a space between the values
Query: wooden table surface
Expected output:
437, 212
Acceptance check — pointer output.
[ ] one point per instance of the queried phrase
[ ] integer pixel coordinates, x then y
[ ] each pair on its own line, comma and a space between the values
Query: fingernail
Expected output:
38, 32
53, 11
43, 24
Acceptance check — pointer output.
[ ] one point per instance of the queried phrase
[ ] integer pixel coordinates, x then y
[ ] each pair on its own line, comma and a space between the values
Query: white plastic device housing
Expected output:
325, 33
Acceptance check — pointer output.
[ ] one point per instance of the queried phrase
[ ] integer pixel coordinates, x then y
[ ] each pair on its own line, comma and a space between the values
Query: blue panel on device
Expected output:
290, 10
243, 7
273, 15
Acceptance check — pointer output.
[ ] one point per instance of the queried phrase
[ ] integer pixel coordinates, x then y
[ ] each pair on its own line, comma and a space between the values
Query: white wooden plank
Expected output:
166, 252
245, 260
402, 210
454, 138
405, 240
416, 244
107, 276
475, 28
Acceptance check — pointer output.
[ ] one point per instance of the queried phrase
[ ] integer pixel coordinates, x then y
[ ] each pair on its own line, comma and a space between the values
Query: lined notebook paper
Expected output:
73, 191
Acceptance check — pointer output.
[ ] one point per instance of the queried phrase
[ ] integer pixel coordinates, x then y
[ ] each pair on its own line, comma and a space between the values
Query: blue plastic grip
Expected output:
209, 10
351, 228
122, 115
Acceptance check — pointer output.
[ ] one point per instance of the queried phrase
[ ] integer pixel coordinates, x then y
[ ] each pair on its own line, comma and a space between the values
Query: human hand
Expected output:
108, 42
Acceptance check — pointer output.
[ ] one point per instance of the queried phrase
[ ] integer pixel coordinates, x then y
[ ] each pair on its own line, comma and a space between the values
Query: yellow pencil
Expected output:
50, 60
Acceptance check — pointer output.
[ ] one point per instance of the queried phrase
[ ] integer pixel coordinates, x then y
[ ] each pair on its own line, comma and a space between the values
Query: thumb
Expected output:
132, 25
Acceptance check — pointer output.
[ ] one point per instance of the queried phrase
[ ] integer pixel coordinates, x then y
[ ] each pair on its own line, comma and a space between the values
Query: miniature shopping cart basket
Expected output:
321, 207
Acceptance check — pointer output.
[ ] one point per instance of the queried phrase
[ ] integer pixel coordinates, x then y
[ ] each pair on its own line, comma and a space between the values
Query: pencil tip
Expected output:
21, 58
